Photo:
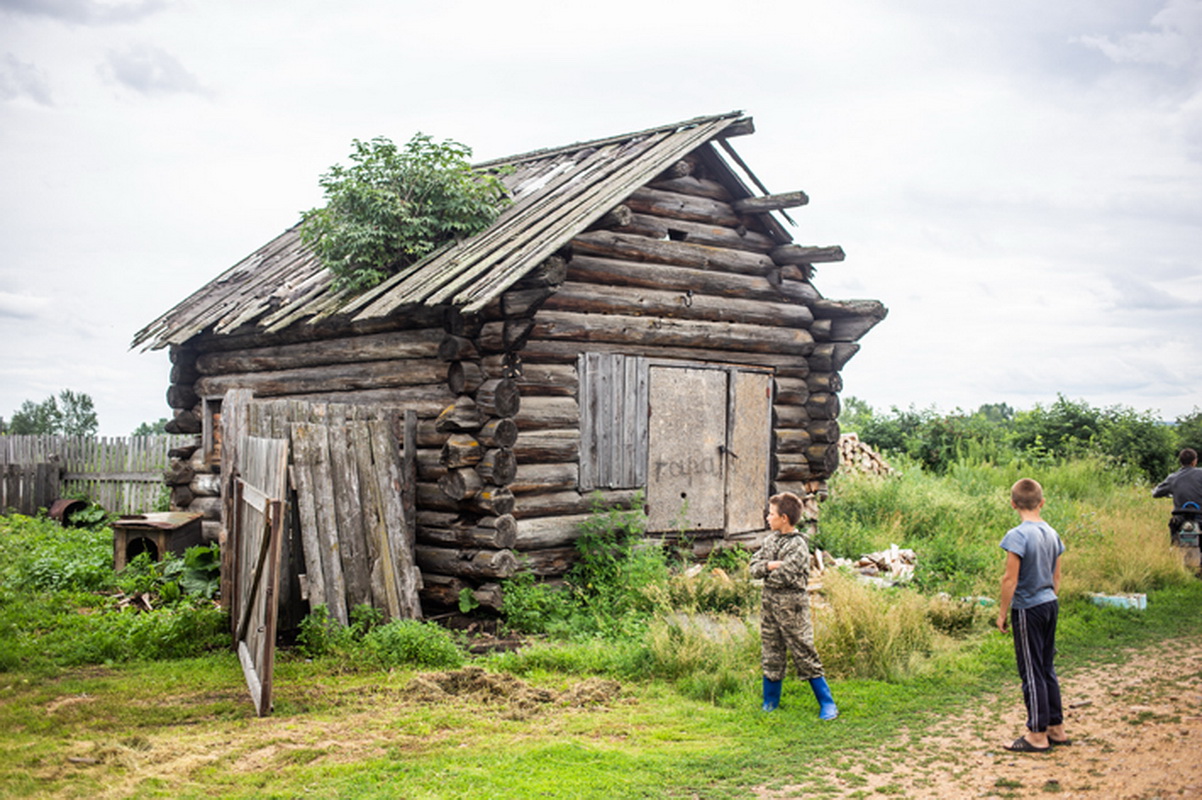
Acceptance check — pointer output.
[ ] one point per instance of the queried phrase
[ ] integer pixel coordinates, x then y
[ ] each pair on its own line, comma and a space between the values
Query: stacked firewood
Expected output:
858, 456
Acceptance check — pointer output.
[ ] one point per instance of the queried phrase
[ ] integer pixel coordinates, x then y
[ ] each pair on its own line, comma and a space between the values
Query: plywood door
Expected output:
750, 433
686, 475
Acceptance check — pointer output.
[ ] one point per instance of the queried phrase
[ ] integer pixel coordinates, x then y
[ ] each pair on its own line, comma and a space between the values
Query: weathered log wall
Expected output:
681, 271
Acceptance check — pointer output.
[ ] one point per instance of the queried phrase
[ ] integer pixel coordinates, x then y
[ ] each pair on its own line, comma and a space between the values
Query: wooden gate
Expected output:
255, 538
352, 528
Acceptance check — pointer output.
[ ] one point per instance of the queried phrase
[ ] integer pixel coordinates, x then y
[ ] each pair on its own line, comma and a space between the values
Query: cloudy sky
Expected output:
1020, 182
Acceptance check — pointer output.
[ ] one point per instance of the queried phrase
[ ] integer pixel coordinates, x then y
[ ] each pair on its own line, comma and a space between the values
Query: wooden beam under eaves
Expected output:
797, 254
740, 127
770, 202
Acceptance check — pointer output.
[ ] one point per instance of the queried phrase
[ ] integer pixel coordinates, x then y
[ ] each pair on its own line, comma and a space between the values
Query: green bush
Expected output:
394, 206
413, 643
197, 574
1188, 431
533, 607
609, 592
1043, 435
322, 635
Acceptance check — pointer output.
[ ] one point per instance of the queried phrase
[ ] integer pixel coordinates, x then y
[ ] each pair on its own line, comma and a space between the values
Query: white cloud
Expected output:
1175, 39
21, 79
149, 70
19, 306
85, 12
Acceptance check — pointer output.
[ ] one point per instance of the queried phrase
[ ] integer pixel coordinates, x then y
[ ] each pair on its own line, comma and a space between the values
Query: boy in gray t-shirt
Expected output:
1029, 603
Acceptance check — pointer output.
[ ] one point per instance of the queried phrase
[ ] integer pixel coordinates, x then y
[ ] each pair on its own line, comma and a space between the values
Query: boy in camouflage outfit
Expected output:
783, 562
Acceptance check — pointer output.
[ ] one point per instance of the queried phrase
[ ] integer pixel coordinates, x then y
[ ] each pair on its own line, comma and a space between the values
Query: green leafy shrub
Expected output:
322, 635
410, 642
617, 566
394, 206
533, 607
91, 516
197, 573
610, 591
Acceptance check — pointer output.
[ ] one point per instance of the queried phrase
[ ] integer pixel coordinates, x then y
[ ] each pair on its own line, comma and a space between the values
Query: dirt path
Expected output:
1136, 731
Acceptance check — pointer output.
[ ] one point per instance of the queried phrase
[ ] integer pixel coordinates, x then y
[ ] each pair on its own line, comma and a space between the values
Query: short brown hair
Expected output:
787, 505
1026, 494
1188, 456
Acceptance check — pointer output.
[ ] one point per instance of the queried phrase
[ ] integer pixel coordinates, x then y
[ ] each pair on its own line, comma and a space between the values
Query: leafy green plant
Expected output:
90, 516
467, 601
195, 574
533, 607
395, 205
319, 634
607, 593
411, 642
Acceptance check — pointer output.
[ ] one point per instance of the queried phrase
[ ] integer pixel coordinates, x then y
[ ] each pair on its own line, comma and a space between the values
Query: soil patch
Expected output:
498, 688
1135, 728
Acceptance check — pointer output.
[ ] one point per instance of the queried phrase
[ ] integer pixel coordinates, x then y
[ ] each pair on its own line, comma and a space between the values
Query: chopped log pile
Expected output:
888, 567
858, 456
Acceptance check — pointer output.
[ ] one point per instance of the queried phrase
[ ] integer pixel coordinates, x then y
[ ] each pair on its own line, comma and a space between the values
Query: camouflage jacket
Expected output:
793, 550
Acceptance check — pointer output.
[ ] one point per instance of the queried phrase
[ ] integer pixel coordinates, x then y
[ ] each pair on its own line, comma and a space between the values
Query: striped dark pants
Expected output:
1034, 648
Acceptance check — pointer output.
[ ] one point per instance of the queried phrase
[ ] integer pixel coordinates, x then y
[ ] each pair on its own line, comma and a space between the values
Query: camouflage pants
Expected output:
785, 628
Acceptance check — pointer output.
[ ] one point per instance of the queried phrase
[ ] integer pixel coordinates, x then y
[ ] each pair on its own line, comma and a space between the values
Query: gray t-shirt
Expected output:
1038, 545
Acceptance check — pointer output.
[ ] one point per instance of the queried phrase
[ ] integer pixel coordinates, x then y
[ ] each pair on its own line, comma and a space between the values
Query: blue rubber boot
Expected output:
771, 695
826, 704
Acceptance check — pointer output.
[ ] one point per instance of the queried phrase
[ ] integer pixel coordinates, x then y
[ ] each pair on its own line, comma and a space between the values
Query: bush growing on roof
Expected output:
395, 205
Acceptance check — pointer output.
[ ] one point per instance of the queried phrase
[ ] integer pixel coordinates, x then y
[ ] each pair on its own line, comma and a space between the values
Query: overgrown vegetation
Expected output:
696, 627
997, 433
370, 642
395, 205
680, 637
61, 604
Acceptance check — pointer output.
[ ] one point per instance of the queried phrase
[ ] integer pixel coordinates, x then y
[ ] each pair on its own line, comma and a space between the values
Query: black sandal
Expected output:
1021, 745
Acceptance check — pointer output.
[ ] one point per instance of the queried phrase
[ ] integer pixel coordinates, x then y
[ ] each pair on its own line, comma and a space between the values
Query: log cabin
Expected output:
637, 323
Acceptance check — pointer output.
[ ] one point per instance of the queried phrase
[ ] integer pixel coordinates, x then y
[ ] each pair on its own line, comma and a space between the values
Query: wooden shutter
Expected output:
613, 421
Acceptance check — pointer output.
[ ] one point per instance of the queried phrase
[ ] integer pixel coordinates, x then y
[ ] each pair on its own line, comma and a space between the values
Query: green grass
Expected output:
361, 734
648, 685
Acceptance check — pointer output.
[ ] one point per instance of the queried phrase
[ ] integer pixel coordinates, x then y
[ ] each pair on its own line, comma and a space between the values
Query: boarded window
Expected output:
696, 436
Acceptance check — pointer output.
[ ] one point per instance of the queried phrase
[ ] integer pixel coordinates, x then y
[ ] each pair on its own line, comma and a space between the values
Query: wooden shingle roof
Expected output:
557, 193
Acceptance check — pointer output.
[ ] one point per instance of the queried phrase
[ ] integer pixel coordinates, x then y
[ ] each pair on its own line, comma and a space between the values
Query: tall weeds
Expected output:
864, 632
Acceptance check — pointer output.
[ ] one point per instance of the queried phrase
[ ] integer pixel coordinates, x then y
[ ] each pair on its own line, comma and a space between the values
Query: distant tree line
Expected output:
998, 433
67, 414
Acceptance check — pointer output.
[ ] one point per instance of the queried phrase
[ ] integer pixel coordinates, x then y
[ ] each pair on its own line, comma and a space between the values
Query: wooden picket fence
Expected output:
124, 475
